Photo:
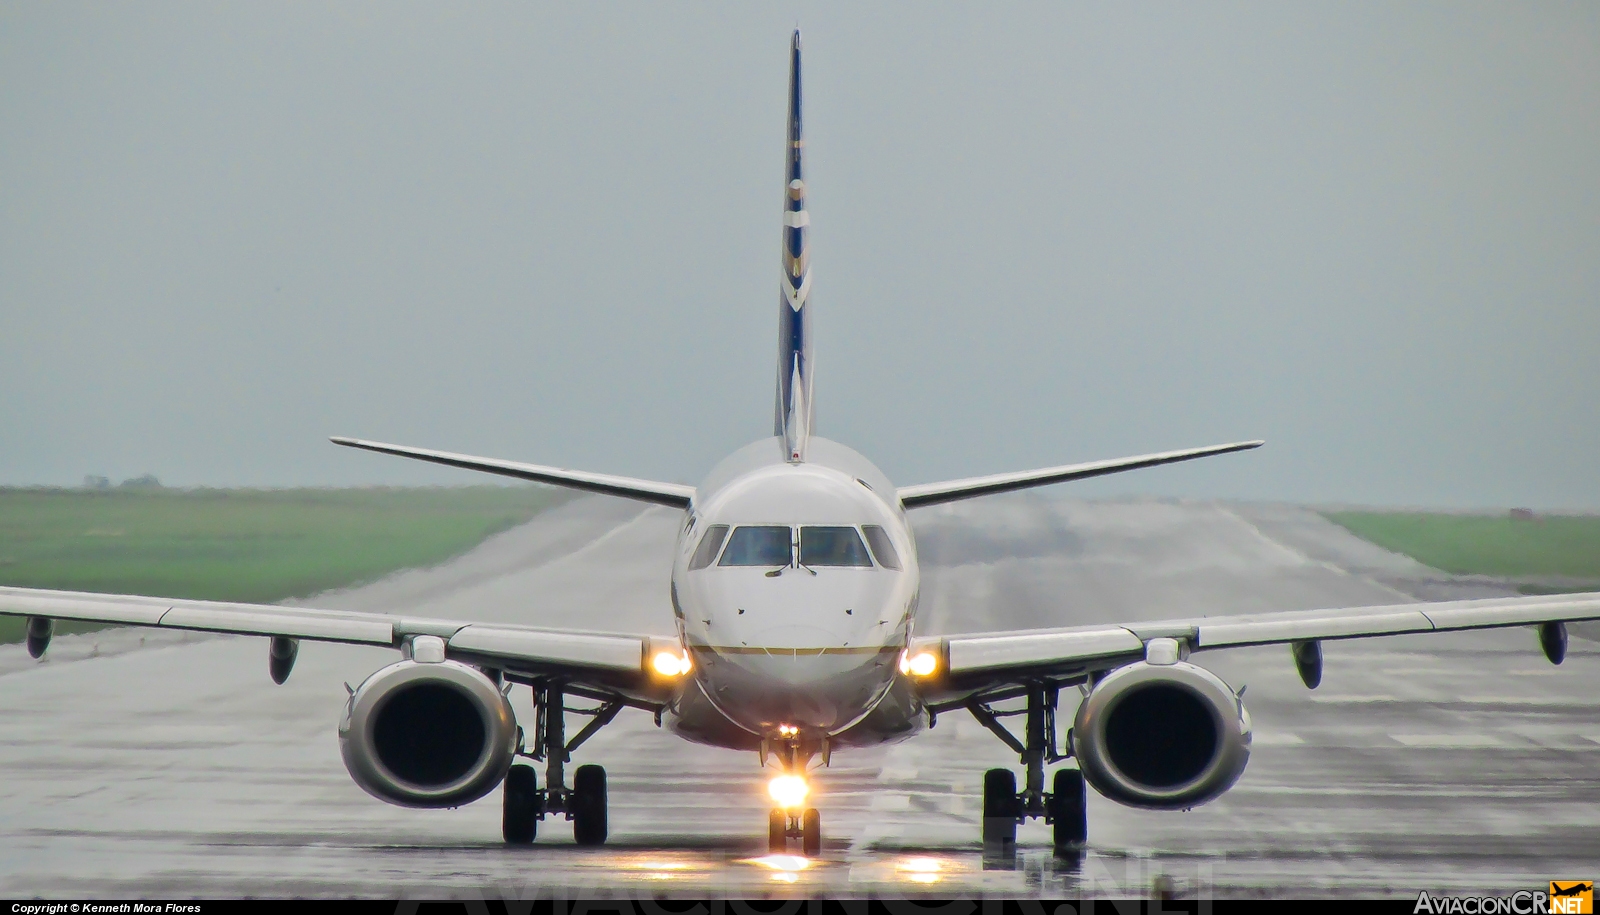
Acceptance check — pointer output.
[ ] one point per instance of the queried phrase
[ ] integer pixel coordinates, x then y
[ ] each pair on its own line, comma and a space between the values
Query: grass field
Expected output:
250, 545
1552, 546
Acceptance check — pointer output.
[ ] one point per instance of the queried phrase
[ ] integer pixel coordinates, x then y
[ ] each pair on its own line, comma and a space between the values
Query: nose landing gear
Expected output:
783, 825
788, 820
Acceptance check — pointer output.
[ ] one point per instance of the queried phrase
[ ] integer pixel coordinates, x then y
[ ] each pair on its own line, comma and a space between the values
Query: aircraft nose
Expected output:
797, 637
798, 674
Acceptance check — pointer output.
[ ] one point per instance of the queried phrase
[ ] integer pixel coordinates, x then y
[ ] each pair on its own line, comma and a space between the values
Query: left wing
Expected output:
986, 659
598, 658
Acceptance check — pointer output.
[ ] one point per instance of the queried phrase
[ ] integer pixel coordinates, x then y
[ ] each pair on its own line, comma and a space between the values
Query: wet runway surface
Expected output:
1448, 763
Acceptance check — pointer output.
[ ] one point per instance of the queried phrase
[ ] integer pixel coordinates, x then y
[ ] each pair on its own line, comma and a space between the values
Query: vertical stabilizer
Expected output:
793, 421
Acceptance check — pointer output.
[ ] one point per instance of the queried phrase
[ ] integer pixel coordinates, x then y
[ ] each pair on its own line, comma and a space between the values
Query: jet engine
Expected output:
1163, 736
427, 732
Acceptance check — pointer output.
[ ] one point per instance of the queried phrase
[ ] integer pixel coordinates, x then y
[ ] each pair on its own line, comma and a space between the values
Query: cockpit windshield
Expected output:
757, 545
832, 546
882, 547
709, 544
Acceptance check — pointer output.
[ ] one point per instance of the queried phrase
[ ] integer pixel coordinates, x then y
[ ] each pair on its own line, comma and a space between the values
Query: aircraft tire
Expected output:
1069, 810
519, 796
777, 831
811, 832
999, 811
589, 805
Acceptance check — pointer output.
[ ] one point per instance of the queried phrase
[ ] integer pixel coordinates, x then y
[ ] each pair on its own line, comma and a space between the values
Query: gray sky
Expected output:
1369, 233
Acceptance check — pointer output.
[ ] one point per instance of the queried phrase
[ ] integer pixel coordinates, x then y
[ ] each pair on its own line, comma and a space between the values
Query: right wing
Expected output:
676, 495
603, 660
951, 490
987, 660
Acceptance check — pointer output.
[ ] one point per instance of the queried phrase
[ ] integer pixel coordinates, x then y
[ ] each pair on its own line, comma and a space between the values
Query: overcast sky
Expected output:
1368, 233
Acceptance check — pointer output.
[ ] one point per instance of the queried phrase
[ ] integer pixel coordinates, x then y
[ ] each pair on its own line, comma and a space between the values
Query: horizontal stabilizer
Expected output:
951, 490
676, 495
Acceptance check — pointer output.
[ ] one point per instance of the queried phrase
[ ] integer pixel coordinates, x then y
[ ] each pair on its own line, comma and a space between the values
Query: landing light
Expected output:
788, 790
921, 664
671, 664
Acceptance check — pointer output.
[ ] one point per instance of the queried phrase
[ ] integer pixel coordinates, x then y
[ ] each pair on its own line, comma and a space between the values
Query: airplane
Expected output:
794, 636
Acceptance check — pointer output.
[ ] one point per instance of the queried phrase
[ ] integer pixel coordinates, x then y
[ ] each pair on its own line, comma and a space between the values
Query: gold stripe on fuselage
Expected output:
799, 652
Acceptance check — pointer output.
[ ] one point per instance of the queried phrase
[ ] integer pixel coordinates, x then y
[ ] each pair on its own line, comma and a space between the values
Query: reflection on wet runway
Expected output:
1459, 762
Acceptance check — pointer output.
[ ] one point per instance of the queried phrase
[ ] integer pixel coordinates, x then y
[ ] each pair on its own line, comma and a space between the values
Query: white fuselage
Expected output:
797, 623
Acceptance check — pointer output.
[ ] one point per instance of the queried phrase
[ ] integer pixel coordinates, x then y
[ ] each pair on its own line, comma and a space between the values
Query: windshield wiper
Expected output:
806, 567
778, 571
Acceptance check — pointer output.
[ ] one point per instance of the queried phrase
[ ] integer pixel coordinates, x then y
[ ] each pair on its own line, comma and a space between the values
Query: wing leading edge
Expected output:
971, 487
598, 657
998, 657
676, 495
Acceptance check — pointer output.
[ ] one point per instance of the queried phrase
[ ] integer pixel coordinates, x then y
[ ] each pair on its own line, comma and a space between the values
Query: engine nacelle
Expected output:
1164, 736
422, 734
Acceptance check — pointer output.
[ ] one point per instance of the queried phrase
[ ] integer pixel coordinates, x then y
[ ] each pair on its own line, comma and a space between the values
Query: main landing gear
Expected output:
790, 819
1064, 808
524, 804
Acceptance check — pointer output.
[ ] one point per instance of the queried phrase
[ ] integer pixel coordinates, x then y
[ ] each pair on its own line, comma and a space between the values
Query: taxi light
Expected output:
670, 664
788, 790
921, 664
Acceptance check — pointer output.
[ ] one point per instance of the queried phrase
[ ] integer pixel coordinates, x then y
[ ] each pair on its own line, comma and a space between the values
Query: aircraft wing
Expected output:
603, 659
676, 495
951, 490
985, 659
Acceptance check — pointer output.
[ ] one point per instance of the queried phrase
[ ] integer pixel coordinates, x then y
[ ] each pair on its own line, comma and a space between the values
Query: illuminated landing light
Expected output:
921, 664
788, 791
787, 730
671, 664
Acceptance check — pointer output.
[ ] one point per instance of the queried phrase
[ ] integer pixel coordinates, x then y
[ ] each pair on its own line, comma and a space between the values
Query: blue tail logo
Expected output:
794, 413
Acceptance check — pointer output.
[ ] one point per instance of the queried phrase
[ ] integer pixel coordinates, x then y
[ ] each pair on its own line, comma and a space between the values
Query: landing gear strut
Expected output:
1004, 806
525, 803
787, 820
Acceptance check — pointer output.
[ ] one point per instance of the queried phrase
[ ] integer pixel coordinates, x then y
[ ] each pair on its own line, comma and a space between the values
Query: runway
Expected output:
1451, 763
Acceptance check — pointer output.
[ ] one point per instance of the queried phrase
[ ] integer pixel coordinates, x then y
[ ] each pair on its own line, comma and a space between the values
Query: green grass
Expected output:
252, 545
1566, 546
